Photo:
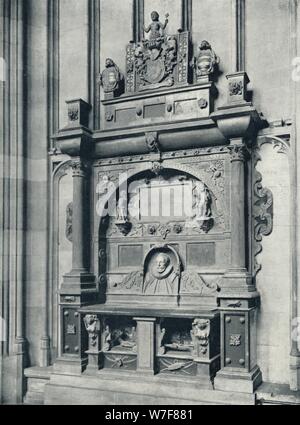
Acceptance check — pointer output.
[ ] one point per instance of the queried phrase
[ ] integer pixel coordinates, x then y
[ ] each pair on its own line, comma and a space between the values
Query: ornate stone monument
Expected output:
166, 293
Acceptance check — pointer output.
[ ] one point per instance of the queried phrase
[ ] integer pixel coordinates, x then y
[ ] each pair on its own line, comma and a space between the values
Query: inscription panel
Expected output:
201, 254
123, 116
130, 255
151, 111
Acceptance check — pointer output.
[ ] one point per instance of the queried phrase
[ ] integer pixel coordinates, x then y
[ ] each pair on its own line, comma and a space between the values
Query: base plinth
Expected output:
243, 382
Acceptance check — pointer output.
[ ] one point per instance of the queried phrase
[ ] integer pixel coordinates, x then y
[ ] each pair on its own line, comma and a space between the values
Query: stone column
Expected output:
238, 155
238, 297
237, 276
146, 344
12, 216
79, 285
79, 224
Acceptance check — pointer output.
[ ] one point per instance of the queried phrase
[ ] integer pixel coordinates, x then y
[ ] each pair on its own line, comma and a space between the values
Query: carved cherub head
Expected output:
205, 45
162, 261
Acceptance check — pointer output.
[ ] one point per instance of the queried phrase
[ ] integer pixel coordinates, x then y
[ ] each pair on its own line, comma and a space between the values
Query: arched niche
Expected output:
124, 239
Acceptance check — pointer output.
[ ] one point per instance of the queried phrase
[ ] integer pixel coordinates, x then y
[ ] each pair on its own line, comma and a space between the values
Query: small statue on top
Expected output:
111, 78
206, 61
156, 28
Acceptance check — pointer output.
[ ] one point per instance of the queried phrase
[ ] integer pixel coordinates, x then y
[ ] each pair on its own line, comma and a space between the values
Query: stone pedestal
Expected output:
239, 371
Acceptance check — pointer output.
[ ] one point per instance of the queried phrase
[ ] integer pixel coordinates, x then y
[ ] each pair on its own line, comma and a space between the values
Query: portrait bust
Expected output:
162, 275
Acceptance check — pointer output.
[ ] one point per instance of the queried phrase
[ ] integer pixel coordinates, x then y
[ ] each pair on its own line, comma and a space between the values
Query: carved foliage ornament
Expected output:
238, 153
236, 88
73, 113
79, 168
235, 340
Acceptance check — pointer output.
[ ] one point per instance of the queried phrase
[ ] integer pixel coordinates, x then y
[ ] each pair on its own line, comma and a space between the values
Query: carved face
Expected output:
162, 261
109, 63
154, 16
201, 324
205, 45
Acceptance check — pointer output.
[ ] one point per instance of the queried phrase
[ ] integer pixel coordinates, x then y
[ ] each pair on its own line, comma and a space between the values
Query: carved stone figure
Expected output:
122, 214
122, 207
155, 58
152, 141
156, 28
107, 339
111, 77
203, 206
200, 336
162, 348
206, 61
92, 326
161, 277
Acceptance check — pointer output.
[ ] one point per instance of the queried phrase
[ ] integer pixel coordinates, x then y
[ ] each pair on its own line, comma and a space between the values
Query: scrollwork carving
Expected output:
133, 281
262, 211
191, 282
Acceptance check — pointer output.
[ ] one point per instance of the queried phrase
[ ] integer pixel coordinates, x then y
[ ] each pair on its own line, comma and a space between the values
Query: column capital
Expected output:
238, 152
80, 168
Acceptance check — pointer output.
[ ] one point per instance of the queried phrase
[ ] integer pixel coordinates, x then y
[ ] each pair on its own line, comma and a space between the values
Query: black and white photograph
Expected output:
149, 205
